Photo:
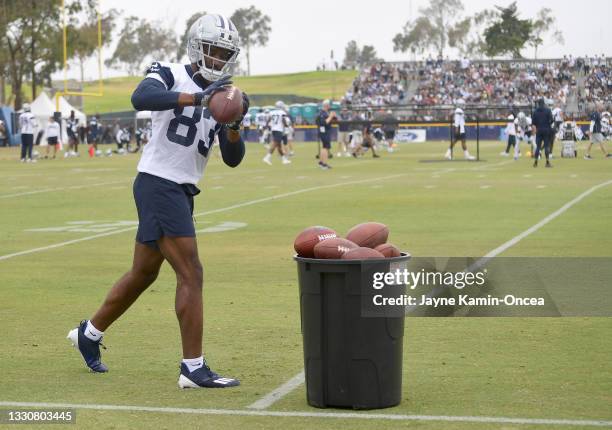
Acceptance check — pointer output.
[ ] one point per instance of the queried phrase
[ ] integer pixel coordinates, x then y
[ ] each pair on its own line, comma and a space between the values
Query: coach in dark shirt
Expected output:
324, 122
541, 121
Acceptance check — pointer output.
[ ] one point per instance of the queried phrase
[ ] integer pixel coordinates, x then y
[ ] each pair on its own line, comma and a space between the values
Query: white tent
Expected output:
44, 107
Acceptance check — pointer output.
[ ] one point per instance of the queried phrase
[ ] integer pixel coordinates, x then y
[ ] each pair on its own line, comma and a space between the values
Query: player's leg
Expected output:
30, 141
88, 335
539, 140
517, 147
325, 148
466, 153
182, 254
145, 268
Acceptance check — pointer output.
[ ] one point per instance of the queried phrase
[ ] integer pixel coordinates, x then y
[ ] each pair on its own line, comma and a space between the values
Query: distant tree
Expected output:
83, 34
355, 57
508, 34
351, 55
543, 24
440, 25
368, 55
31, 41
140, 40
254, 29
182, 47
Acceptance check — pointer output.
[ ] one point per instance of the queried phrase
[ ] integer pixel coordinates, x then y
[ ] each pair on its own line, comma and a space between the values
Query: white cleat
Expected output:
503, 154
286, 161
267, 161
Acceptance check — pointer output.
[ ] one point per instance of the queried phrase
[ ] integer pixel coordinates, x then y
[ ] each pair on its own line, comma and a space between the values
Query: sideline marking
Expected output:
209, 212
270, 398
479, 263
308, 414
46, 190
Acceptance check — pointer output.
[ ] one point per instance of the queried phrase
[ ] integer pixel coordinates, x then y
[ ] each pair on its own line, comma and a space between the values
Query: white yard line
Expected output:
48, 190
266, 401
212, 211
274, 396
310, 414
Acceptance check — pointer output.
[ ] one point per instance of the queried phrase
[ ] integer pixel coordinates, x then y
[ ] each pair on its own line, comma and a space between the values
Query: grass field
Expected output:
523, 368
321, 85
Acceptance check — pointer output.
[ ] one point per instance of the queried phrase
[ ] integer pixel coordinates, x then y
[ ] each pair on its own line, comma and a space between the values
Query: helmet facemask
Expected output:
213, 45
214, 61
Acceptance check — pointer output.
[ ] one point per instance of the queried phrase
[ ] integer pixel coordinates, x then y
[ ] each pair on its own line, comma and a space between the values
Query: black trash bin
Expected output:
350, 360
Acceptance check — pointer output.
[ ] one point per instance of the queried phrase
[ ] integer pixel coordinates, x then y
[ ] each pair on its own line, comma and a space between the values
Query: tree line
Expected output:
31, 37
31, 47
488, 33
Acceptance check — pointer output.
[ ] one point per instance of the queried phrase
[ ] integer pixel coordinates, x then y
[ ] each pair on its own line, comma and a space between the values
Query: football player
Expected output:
277, 123
170, 167
458, 134
523, 132
511, 135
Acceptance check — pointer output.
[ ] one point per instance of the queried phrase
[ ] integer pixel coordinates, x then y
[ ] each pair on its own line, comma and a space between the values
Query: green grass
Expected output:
320, 85
515, 367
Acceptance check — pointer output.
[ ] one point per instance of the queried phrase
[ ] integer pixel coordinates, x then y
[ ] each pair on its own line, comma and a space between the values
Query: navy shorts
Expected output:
277, 136
325, 141
165, 208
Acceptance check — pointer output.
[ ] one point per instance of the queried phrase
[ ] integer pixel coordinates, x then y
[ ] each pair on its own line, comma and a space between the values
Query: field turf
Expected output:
549, 368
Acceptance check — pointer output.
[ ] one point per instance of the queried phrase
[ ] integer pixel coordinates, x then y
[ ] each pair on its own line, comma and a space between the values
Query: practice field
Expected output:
67, 234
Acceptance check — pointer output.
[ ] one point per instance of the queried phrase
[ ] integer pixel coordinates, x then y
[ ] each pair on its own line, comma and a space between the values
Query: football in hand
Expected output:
225, 105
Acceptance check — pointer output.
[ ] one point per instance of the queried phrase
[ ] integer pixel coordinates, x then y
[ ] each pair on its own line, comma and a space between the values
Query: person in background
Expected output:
541, 123
27, 125
458, 134
93, 132
596, 133
246, 126
343, 132
324, 122
3, 134
511, 136
53, 136
72, 129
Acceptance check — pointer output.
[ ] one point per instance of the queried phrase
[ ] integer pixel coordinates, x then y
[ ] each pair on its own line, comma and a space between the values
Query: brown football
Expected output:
368, 234
361, 253
333, 248
388, 250
305, 241
225, 105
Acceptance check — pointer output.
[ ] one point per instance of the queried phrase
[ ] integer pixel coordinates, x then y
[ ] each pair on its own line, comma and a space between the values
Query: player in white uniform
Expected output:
246, 126
522, 124
557, 114
53, 136
458, 133
261, 119
277, 124
171, 165
511, 136
27, 127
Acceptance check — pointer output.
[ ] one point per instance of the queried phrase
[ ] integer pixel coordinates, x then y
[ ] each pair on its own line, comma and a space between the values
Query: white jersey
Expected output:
557, 114
246, 121
261, 119
459, 121
288, 128
27, 123
510, 129
277, 120
53, 129
182, 138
